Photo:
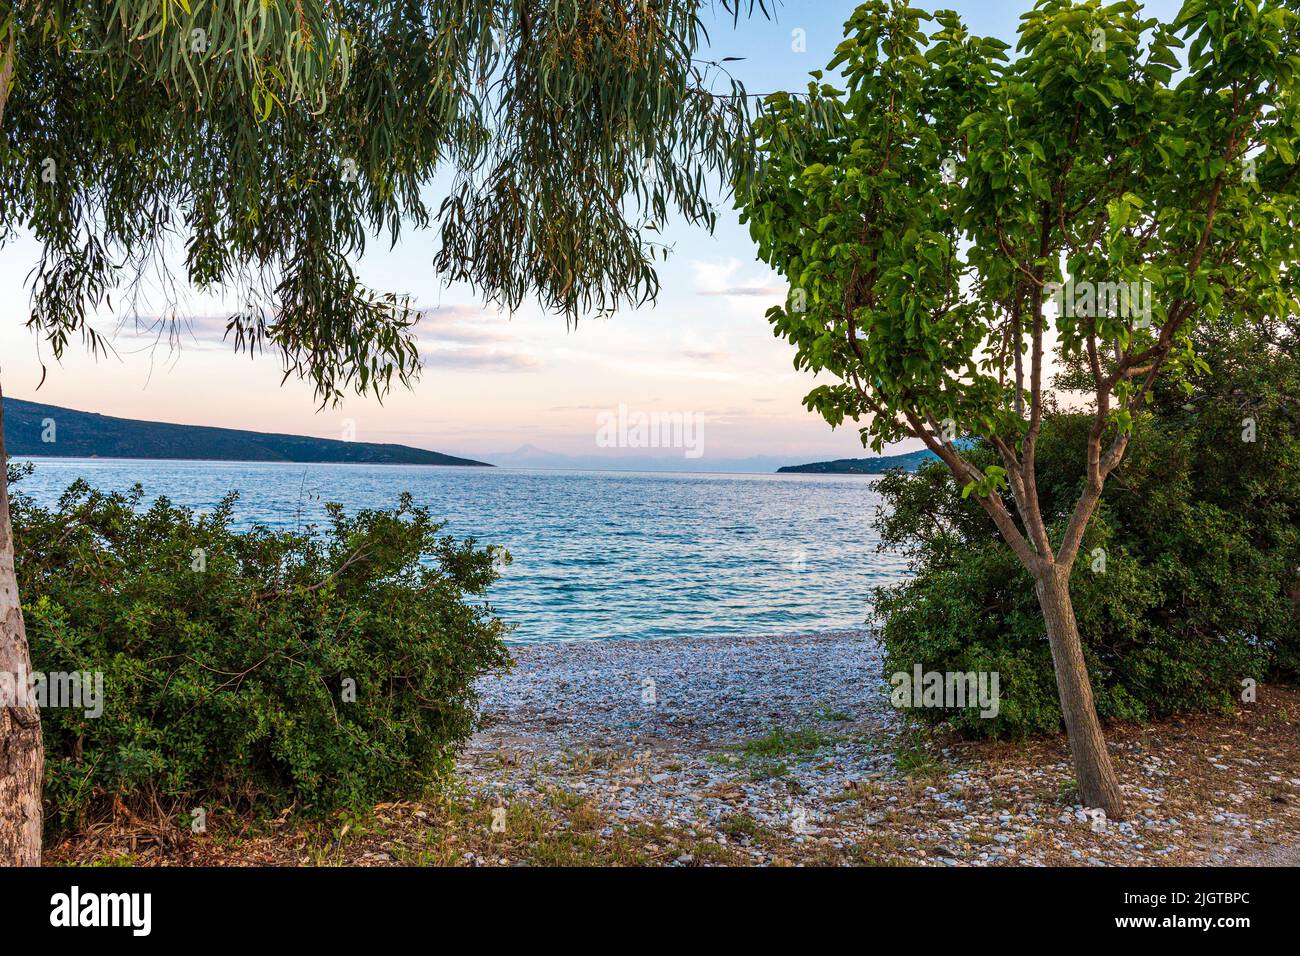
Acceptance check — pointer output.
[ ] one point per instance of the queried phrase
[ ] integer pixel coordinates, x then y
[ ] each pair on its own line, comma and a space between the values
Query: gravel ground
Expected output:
785, 748
655, 730
704, 692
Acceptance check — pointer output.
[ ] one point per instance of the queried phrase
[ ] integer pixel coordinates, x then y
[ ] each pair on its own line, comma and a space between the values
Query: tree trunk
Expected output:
1098, 786
22, 753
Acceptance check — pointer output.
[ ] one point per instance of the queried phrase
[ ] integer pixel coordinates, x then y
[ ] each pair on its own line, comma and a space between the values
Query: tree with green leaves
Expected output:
1186, 592
262, 143
956, 216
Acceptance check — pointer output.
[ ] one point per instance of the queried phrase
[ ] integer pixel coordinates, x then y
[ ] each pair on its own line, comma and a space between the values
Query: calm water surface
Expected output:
596, 554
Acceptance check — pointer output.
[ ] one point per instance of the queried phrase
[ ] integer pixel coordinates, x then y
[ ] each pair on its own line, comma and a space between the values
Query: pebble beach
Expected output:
786, 749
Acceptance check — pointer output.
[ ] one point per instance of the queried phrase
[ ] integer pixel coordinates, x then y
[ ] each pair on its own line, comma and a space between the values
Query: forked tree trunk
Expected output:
1098, 786
22, 753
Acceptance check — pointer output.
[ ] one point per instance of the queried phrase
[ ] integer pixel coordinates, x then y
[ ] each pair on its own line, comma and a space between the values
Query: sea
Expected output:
597, 555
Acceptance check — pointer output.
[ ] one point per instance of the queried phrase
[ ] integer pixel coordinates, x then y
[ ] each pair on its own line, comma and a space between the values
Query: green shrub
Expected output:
1201, 536
228, 656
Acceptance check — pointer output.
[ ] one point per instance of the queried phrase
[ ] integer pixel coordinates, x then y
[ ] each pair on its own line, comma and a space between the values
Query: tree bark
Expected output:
22, 752
1098, 786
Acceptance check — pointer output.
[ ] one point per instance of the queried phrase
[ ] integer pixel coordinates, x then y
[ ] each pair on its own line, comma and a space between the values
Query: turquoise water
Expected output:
596, 554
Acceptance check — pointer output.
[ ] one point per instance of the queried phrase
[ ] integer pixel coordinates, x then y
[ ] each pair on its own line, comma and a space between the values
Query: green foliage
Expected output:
226, 669
950, 214
782, 742
1201, 538
269, 139
922, 206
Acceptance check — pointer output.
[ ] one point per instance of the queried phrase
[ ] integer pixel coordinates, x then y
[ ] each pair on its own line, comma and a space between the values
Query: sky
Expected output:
492, 383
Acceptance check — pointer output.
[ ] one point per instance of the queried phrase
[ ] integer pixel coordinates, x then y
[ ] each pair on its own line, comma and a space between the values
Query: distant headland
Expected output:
33, 429
862, 466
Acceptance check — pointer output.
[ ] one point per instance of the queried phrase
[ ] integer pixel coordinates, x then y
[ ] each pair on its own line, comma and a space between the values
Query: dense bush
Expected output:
228, 656
1201, 537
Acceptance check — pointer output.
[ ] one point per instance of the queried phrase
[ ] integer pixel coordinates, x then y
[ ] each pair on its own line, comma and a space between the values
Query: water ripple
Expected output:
596, 554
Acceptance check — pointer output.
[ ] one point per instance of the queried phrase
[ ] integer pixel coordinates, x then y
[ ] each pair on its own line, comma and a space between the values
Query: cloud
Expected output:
670, 368
472, 324
704, 348
757, 291
722, 280
450, 337
704, 355
471, 337
462, 333
479, 359
462, 322
461, 310
183, 328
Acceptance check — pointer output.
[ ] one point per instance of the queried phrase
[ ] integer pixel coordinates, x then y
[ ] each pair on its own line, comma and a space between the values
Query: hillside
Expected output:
87, 435
861, 466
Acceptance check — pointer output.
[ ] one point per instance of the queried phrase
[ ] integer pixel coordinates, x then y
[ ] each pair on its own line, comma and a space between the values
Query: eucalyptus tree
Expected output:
959, 213
257, 146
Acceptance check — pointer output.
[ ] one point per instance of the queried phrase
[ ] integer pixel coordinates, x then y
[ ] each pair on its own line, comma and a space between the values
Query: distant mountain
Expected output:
530, 456
87, 435
862, 466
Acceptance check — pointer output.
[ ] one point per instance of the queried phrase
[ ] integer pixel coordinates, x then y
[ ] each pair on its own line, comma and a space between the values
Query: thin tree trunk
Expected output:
6, 75
22, 753
1098, 786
